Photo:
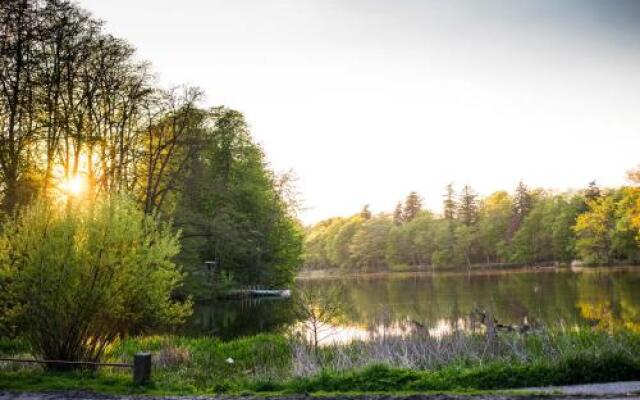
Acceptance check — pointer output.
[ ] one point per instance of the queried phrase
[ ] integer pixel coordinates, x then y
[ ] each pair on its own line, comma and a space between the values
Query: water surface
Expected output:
399, 304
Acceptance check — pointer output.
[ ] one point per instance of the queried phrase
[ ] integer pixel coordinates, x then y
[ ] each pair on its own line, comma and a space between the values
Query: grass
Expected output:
273, 363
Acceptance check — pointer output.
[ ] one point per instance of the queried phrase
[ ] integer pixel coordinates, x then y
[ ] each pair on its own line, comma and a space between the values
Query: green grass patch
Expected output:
265, 364
575, 369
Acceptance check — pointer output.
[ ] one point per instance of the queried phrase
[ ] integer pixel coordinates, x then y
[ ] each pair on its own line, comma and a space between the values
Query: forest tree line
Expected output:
77, 109
528, 226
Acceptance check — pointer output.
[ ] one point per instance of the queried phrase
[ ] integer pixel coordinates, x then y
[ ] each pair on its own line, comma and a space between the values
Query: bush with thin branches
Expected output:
82, 276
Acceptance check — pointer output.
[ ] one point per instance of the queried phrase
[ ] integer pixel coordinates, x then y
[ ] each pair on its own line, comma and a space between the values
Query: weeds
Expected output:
267, 363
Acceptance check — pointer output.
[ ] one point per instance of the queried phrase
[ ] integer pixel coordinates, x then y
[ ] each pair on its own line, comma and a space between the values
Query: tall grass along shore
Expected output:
276, 363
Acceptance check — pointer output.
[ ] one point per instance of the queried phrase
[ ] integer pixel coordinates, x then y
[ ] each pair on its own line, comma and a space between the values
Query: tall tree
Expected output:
172, 139
397, 214
365, 213
412, 206
521, 205
369, 244
449, 205
595, 230
468, 206
592, 192
19, 32
232, 212
446, 236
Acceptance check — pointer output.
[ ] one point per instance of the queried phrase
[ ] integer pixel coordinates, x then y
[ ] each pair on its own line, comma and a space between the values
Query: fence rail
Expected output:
98, 364
141, 365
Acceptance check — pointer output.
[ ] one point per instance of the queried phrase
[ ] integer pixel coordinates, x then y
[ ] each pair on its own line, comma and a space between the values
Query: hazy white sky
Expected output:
368, 100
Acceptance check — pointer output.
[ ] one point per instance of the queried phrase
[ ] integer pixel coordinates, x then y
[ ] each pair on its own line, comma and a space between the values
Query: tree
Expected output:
232, 212
318, 310
19, 30
533, 241
315, 245
468, 206
447, 241
444, 243
339, 247
594, 230
172, 140
108, 273
593, 191
397, 214
449, 205
421, 231
464, 238
493, 226
412, 206
412, 243
365, 213
75, 104
369, 244
522, 204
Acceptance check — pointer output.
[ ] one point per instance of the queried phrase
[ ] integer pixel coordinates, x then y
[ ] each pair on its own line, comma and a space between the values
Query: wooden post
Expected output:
141, 368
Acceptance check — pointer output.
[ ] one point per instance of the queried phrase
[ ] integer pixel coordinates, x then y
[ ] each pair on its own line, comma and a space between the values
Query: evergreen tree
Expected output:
468, 207
397, 214
412, 206
365, 213
592, 192
449, 206
522, 204
448, 240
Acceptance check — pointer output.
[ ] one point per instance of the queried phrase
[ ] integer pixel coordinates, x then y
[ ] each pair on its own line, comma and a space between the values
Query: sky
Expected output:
367, 100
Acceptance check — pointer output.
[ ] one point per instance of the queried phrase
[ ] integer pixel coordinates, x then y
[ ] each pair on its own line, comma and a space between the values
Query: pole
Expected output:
141, 368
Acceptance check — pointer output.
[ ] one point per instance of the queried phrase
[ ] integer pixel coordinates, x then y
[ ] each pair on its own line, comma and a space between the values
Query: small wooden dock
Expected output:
258, 293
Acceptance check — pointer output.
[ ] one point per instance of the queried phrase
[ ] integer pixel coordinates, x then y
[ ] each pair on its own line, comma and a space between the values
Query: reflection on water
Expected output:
438, 304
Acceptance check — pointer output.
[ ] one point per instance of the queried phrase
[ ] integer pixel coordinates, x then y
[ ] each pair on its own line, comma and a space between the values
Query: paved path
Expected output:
608, 391
595, 389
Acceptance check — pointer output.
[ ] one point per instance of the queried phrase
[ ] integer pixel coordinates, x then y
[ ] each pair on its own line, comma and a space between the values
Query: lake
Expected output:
398, 304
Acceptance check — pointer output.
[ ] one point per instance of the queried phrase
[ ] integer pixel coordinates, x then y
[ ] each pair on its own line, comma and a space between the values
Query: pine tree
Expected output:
593, 191
365, 213
412, 206
449, 206
522, 204
468, 207
449, 210
522, 201
397, 214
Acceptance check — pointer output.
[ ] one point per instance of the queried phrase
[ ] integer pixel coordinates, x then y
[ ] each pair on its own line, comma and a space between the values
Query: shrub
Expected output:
81, 277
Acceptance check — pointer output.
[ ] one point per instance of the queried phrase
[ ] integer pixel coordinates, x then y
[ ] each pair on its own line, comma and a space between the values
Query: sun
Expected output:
74, 185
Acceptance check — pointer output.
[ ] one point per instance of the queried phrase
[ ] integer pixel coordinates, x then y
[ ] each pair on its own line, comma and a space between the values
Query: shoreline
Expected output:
482, 269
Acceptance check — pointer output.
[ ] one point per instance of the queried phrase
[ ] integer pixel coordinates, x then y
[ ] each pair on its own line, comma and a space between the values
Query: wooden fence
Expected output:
141, 365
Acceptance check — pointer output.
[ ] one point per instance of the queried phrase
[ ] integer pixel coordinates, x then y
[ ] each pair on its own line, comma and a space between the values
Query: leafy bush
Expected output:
80, 277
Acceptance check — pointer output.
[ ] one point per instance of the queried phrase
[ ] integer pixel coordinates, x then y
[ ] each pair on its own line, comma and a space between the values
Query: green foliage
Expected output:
532, 226
468, 206
495, 215
234, 213
608, 231
412, 206
545, 233
369, 243
338, 250
266, 363
444, 242
81, 275
80, 107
